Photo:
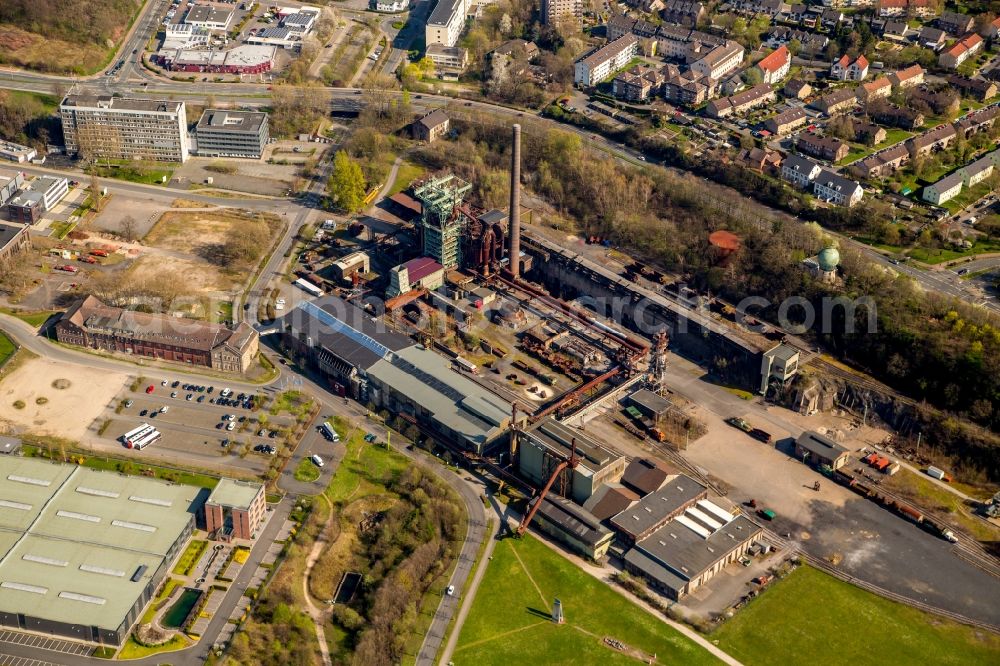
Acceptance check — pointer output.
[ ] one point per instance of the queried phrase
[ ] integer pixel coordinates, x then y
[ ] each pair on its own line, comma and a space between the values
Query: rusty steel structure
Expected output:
514, 214
569, 463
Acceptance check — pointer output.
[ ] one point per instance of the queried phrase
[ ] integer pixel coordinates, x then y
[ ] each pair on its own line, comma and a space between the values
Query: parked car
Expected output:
150, 388
128, 403
317, 460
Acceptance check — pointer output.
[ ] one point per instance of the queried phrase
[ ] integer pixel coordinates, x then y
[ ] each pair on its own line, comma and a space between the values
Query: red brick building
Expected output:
235, 510
91, 323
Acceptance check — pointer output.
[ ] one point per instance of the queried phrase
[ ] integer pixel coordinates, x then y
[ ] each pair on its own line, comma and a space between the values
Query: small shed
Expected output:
649, 403
816, 449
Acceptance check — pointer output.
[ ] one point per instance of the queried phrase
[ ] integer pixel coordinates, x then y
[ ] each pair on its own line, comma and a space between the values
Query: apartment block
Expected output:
608, 59
555, 12
121, 128
446, 22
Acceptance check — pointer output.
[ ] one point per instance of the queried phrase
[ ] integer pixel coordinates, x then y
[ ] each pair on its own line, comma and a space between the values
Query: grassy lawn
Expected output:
36, 444
871, 242
295, 403
150, 174
132, 650
190, 557
930, 496
407, 174
35, 319
938, 255
510, 620
364, 469
307, 471
866, 629
169, 586
7, 349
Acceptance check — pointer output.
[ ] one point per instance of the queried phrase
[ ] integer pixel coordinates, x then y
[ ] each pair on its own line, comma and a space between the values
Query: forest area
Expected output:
29, 118
926, 346
62, 36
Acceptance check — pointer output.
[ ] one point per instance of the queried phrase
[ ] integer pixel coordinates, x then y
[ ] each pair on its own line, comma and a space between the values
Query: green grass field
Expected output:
510, 620
306, 471
190, 557
813, 618
35, 319
7, 349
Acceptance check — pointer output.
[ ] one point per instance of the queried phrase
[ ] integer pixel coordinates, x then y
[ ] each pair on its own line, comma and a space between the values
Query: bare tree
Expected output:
95, 193
127, 228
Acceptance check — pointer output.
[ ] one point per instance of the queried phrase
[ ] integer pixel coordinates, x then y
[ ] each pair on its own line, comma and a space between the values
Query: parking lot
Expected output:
43, 643
197, 426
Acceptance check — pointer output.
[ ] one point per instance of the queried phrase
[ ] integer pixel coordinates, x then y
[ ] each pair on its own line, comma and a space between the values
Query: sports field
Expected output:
813, 618
509, 622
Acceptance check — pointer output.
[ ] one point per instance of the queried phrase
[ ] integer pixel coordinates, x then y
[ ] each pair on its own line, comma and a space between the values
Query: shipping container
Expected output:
935, 473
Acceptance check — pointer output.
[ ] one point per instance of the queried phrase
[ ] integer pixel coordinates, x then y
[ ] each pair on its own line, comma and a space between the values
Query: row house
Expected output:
909, 8
934, 140
956, 24
980, 89
828, 148
760, 160
961, 51
868, 133
896, 116
799, 171
842, 99
978, 121
683, 12
882, 163
770, 8
811, 43
786, 122
829, 19
833, 188
847, 69
759, 95
968, 176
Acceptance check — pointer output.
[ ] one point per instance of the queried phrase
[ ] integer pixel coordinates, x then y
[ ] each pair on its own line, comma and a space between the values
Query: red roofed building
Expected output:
775, 65
419, 273
995, 29
961, 51
846, 69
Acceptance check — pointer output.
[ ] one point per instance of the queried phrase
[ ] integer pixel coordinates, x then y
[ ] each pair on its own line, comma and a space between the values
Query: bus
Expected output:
329, 432
146, 440
132, 435
309, 287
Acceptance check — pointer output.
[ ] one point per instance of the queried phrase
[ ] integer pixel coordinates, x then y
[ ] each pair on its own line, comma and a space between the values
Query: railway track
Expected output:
859, 380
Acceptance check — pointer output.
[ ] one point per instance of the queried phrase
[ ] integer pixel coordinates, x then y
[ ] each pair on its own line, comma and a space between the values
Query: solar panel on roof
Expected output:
357, 336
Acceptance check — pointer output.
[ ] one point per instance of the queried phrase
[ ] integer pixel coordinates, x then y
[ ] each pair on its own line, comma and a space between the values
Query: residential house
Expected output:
794, 13
812, 44
509, 61
980, 89
834, 188
908, 77
797, 89
718, 61
799, 171
867, 133
932, 38
774, 66
847, 69
786, 122
896, 31
961, 51
830, 18
994, 29
888, 8
738, 104
760, 159
874, 89
928, 142
431, 126
841, 99
828, 148
770, 8
955, 24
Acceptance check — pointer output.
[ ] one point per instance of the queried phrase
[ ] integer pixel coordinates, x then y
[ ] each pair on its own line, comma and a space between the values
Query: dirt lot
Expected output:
145, 211
84, 394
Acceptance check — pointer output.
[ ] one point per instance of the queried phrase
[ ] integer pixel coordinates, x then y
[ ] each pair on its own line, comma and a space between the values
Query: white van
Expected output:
164, 409
317, 461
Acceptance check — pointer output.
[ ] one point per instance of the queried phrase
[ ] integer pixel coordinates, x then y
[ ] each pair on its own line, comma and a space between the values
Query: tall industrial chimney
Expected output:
514, 214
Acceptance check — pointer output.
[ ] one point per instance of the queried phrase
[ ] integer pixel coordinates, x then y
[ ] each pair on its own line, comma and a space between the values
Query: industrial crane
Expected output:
569, 463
